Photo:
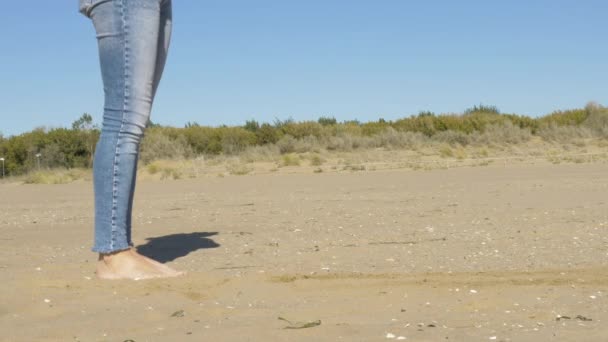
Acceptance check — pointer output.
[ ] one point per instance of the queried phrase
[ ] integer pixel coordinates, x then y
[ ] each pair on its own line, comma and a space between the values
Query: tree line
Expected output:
74, 147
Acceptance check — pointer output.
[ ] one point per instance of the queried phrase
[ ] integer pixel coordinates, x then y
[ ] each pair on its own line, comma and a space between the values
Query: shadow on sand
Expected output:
170, 247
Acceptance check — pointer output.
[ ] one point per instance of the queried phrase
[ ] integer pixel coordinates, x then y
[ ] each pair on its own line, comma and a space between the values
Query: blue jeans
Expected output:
133, 38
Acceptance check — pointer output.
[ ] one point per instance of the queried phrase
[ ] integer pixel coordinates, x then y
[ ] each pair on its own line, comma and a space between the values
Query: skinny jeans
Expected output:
133, 39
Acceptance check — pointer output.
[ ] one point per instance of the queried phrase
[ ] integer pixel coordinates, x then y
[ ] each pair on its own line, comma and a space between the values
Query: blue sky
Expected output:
234, 60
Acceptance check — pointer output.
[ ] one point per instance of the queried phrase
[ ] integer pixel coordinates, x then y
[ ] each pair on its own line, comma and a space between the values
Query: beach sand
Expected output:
496, 253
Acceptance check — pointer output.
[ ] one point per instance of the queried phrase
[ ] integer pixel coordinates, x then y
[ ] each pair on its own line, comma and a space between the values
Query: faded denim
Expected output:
133, 38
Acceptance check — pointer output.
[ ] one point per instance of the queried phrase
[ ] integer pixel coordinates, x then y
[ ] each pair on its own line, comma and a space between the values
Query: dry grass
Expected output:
57, 176
290, 159
316, 160
266, 153
417, 152
166, 169
239, 169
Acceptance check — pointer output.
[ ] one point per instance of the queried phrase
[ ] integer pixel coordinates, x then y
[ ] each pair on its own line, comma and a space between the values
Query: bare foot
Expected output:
129, 264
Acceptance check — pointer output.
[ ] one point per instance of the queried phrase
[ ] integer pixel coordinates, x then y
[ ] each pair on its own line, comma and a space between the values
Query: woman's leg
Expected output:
162, 50
164, 39
128, 33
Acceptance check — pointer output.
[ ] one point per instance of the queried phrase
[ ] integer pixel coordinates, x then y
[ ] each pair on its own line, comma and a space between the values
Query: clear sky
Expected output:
234, 60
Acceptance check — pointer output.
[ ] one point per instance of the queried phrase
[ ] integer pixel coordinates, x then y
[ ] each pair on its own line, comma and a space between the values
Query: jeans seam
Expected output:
122, 123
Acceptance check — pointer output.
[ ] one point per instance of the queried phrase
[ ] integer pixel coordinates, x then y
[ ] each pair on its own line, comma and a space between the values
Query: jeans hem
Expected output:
104, 250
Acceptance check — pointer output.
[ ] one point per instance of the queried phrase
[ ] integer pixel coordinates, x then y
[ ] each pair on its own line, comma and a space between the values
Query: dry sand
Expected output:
498, 253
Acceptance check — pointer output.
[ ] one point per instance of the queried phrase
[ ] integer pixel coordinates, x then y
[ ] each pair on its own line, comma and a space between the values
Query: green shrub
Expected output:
290, 160
266, 134
373, 128
251, 126
302, 129
227, 140
203, 140
422, 123
482, 109
572, 117
327, 121
235, 139
158, 145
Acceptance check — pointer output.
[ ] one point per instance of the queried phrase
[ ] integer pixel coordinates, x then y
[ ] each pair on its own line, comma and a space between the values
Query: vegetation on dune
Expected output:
73, 148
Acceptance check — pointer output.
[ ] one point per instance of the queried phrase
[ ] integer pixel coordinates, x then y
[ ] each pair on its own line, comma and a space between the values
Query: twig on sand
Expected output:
407, 242
300, 325
234, 267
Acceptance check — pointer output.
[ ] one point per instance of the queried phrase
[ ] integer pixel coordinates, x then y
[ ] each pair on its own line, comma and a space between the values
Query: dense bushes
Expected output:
480, 125
60, 147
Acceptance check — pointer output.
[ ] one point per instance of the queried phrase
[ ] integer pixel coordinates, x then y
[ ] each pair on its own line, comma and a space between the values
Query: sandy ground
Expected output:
497, 253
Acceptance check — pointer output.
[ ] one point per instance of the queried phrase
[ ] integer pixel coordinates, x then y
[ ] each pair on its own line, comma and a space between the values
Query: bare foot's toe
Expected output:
129, 264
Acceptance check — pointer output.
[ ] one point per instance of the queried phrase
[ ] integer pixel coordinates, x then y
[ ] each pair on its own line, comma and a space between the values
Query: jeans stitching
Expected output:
122, 123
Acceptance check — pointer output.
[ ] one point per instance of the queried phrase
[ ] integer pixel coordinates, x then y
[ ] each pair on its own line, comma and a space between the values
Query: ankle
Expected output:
107, 257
